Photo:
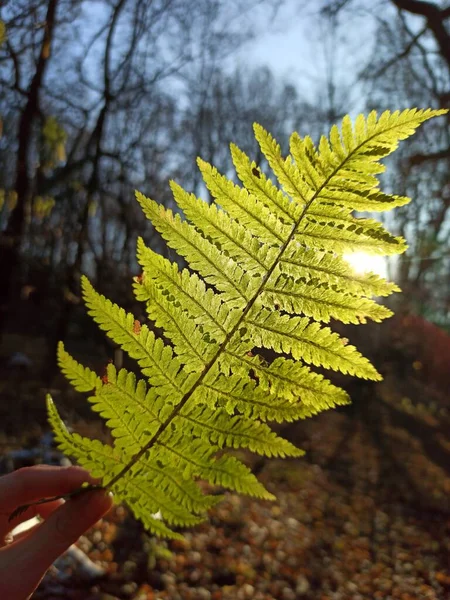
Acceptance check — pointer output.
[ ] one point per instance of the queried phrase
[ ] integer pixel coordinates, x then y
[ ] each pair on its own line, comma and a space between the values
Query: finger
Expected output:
65, 525
41, 510
33, 555
45, 510
33, 483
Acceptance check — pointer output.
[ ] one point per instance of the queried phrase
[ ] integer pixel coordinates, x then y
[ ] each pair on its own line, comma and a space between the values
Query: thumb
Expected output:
34, 554
65, 525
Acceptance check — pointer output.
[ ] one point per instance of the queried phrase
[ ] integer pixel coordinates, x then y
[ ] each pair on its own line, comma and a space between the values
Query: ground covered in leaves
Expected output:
364, 515
344, 527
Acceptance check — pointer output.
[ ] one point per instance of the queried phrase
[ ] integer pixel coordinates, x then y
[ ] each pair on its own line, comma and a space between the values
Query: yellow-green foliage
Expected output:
265, 271
2, 32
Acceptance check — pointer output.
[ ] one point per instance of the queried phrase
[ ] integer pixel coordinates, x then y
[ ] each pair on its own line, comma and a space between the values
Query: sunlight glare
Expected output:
363, 263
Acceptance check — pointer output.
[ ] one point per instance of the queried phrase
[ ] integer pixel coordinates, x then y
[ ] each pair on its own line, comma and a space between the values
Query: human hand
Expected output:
24, 560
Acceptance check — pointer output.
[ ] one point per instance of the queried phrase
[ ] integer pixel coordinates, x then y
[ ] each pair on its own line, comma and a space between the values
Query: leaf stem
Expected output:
210, 364
135, 459
24, 507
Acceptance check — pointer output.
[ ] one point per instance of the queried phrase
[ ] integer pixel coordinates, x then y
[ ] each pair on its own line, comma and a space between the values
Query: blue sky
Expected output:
300, 45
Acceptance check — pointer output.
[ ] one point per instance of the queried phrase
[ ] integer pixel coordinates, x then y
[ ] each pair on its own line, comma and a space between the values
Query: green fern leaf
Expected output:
325, 269
82, 378
307, 341
155, 359
321, 301
265, 216
265, 269
216, 268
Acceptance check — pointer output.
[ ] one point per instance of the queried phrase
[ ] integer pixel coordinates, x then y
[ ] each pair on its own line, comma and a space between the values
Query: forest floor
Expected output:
340, 529
364, 515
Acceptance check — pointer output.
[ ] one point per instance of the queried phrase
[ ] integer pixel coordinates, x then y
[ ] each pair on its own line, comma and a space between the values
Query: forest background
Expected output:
102, 97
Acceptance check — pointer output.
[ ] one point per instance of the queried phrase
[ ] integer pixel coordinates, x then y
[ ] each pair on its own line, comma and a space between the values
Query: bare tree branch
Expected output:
435, 21
418, 159
392, 61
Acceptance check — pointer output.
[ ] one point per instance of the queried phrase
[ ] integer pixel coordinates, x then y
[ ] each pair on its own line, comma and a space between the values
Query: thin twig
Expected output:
24, 507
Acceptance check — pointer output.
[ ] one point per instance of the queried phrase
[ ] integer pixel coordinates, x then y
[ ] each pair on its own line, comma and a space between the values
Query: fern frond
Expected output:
236, 432
205, 307
155, 359
372, 200
92, 454
177, 501
232, 238
82, 378
192, 348
216, 268
266, 219
291, 179
284, 387
319, 301
342, 239
325, 269
265, 270
307, 341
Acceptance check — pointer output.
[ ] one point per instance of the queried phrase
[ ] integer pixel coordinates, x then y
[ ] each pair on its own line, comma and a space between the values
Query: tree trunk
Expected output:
11, 239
